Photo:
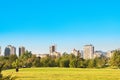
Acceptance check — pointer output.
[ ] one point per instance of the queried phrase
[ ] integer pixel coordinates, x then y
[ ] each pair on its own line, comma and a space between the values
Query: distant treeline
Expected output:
28, 60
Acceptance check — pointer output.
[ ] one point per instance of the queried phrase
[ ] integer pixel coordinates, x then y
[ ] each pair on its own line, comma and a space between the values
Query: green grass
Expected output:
64, 74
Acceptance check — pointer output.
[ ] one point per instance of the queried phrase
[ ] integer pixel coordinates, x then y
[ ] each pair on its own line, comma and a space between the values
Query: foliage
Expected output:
15, 63
66, 60
64, 63
115, 60
36, 62
8, 77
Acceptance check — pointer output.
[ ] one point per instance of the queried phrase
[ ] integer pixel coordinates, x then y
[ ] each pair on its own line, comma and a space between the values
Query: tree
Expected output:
80, 63
73, 63
115, 60
45, 62
100, 62
91, 63
16, 65
1, 66
36, 62
9, 77
7, 65
26, 55
64, 63
57, 62
12, 58
25, 59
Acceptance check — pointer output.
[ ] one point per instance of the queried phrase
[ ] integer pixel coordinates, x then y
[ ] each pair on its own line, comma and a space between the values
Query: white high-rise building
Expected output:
88, 52
53, 52
13, 50
52, 49
10, 50
21, 50
76, 52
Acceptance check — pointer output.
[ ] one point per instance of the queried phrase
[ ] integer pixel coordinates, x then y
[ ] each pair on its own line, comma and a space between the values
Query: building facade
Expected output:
13, 50
21, 50
42, 55
109, 54
88, 52
52, 48
9, 50
53, 52
76, 52
98, 54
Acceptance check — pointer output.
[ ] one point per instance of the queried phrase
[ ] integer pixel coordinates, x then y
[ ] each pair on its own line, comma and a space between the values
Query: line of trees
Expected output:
66, 60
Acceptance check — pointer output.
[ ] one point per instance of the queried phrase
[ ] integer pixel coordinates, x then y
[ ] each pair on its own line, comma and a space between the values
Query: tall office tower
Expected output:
9, 50
53, 52
88, 52
52, 48
76, 52
21, 50
13, 50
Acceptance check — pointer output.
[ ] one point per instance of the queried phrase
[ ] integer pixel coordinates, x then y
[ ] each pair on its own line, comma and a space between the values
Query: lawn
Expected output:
64, 74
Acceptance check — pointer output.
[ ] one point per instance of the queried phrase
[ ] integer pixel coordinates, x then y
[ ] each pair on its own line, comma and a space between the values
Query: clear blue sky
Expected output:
37, 24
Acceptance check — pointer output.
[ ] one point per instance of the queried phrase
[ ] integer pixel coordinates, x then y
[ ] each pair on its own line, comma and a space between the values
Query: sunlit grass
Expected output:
65, 74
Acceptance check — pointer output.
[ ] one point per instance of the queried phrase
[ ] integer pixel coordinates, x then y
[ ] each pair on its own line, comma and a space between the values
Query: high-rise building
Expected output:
98, 54
53, 52
109, 54
7, 51
21, 50
10, 50
13, 50
52, 49
88, 52
76, 52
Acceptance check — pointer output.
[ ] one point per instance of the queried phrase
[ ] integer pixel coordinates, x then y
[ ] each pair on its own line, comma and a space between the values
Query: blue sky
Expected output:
37, 24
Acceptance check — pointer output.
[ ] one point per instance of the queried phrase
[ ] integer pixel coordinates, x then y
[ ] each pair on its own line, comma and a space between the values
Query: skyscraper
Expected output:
21, 50
76, 52
7, 51
52, 49
10, 50
53, 52
13, 50
88, 52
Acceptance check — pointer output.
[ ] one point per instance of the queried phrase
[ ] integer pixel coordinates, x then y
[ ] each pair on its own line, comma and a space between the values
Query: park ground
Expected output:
64, 74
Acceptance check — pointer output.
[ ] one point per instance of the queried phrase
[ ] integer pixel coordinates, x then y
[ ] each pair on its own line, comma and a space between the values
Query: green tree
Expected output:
12, 58
1, 66
73, 63
16, 65
45, 61
25, 59
9, 77
91, 63
80, 63
64, 62
57, 62
36, 62
100, 62
115, 60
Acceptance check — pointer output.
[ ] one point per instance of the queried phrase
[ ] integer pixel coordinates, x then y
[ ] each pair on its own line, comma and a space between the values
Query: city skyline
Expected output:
87, 49
69, 24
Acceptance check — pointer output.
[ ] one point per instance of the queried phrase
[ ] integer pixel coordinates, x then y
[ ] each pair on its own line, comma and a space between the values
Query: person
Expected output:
17, 69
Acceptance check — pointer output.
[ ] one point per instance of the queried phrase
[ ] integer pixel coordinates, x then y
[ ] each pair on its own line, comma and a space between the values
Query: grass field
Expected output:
65, 74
